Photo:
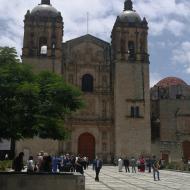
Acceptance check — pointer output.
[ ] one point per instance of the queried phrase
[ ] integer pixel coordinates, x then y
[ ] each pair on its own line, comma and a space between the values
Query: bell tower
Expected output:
131, 83
43, 33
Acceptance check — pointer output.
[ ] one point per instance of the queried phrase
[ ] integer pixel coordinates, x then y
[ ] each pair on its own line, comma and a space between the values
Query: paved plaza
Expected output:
111, 179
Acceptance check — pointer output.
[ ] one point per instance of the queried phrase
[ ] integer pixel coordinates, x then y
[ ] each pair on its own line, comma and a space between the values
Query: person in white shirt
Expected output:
120, 164
30, 164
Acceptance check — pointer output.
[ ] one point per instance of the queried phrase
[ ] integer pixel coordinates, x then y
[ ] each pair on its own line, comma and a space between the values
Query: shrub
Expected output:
4, 165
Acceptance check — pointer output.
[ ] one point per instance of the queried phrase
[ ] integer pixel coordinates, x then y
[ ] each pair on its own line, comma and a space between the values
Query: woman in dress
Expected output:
142, 164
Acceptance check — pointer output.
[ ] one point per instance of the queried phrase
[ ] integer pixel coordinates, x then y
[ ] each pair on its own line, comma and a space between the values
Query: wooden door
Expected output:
165, 157
186, 150
86, 145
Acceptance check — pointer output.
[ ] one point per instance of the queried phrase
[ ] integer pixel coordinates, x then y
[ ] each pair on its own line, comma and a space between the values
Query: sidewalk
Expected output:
111, 179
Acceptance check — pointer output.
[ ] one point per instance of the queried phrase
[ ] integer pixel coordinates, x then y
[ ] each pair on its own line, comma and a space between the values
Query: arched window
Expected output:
87, 83
43, 50
131, 49
43, 46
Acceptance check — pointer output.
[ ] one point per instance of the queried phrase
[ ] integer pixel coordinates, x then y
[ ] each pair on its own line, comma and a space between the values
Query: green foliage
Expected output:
177, 166
33, 105
4, 165
8, 56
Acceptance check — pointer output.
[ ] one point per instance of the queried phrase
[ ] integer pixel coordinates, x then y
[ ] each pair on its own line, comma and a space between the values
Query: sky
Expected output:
169, 28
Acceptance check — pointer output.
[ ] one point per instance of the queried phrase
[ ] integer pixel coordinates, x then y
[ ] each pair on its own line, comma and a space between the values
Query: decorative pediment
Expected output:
87, 50
88, 38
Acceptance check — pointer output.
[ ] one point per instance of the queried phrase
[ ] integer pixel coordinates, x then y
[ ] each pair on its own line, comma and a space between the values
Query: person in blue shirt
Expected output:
97, 165
55, 163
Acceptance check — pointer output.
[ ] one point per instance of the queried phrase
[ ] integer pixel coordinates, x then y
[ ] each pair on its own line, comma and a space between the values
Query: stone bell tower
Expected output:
43, 33
131, 83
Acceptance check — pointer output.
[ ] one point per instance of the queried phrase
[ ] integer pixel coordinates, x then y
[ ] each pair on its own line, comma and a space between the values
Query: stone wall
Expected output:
24, 181
172, 149
31, 147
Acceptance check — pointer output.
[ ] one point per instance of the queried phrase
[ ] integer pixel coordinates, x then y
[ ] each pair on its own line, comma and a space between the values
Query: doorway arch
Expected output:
86, 145
186, 149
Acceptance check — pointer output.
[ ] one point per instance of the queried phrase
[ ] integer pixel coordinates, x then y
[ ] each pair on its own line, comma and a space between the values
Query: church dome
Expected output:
129, 15
170, 81
45, 9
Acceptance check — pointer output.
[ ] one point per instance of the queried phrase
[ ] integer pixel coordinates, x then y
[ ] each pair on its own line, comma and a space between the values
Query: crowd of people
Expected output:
149, 163
71, 163
65, 163
47, 163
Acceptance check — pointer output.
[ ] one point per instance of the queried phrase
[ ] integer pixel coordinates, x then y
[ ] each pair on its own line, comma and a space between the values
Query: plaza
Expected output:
111, 179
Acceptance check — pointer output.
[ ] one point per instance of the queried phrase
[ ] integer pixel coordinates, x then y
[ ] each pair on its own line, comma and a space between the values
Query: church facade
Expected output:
114, 78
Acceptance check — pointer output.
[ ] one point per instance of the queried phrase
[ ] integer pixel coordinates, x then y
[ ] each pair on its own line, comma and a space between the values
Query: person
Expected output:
93, 165
67, 163
73, 160
18, 163
46, 165
138, 164
142, 164
120, 164
133, 164
30, 165
55, 163
188, 162
97, 165
155, 167
40, 160
79, 165
87, 162
149, 164
126, 164
84, 162
6, 156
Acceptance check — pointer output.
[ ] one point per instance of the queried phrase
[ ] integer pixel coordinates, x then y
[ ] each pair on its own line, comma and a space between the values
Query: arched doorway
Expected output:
186, 149
86, 145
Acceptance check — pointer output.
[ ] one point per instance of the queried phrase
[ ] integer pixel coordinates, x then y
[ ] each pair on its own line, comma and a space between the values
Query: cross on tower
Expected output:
128, 5
46, 2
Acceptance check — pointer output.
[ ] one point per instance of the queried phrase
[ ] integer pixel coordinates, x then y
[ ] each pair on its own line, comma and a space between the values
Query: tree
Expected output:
8, 56
57, 100
33, 104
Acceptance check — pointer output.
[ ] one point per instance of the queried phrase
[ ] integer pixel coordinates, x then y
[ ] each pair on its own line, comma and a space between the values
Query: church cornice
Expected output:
87, 122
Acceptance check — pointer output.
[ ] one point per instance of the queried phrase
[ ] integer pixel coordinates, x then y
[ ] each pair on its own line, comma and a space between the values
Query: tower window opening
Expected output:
131, 49
43, 50
87, 83
43, 46
132, 111
135, 112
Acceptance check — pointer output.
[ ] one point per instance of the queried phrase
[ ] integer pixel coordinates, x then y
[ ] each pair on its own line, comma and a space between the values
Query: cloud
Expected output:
102, 15
176, 27
154, 78
155, 9
167, 15
181, 56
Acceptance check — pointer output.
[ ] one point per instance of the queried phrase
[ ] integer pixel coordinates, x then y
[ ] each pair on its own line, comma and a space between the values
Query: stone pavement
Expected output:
111, 179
